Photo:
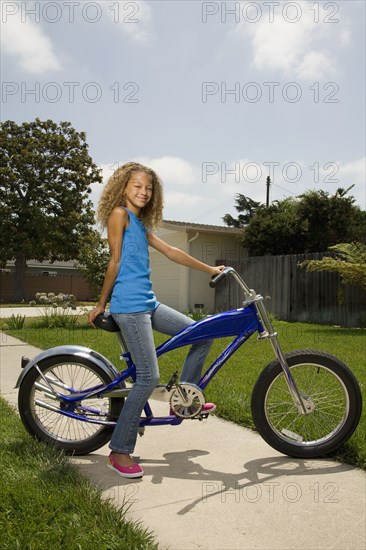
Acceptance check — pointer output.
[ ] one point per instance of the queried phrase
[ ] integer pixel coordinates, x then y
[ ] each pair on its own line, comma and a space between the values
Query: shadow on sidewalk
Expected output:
259, 474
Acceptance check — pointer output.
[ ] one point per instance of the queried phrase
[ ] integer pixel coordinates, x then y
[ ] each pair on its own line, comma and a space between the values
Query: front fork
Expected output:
300, 402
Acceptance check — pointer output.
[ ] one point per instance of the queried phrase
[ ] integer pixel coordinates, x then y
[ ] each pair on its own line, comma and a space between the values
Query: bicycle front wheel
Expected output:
332, 395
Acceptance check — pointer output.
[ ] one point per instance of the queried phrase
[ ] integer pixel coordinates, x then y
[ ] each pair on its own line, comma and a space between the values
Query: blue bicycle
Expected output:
304, 404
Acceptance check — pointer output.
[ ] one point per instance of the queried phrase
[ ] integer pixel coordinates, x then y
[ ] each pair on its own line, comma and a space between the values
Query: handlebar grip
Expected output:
217, 278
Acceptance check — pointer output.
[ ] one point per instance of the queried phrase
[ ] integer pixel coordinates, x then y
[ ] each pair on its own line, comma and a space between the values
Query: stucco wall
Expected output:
209, 248
170, 280
187, 289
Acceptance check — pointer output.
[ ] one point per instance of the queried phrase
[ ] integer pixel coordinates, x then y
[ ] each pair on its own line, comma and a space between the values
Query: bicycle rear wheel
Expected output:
332, 394
41, 412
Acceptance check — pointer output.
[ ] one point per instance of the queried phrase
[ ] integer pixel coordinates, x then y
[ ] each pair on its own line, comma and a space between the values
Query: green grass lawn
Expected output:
232, 387
46, 503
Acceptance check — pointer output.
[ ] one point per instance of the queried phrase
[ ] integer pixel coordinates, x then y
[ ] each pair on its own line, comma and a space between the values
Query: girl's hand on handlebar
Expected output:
216, 270
94, 313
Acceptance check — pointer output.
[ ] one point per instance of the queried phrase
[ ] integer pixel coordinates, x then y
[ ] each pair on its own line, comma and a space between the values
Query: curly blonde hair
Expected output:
114, 190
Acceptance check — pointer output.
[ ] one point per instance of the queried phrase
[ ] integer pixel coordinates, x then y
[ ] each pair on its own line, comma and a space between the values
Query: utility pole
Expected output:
268, 186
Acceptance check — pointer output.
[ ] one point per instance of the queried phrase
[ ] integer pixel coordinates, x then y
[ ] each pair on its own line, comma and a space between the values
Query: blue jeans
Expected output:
137, 331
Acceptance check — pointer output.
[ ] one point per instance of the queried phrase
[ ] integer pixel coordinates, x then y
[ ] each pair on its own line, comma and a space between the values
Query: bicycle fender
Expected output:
71, 351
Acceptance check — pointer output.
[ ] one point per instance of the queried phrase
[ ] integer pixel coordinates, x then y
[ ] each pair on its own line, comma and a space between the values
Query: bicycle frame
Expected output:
240, 323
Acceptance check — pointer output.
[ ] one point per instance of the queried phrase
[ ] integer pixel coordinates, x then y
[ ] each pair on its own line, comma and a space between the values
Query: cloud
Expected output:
354, 173
189, 207
204, 193
181, 202
316, 63
212, 187
176, 199
355, 170
97, 188
172, 170
302, 49
133, 18
28, 43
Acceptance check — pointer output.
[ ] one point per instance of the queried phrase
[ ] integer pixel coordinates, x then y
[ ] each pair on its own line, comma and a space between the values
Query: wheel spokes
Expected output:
70, 378
329, 405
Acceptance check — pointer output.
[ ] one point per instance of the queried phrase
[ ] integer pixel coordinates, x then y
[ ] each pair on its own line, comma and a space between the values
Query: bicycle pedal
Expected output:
141, 431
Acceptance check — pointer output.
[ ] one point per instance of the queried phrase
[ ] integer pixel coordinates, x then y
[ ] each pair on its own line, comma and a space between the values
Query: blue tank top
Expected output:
132, 291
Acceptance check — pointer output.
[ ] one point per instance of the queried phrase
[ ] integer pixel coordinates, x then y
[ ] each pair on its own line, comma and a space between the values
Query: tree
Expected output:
349, 262
330, 219
309, 223
93, 260
45, 212
243, 204
274, 230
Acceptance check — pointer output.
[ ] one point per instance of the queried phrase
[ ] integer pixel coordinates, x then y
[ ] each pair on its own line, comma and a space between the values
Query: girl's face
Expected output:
138, 191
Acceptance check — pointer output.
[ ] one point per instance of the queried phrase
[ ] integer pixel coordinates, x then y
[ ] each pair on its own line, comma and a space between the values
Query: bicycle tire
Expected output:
73, 436
333, 392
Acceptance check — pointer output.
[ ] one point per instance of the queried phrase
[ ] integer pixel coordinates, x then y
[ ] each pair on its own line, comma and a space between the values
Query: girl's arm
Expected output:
180, 257
117, 223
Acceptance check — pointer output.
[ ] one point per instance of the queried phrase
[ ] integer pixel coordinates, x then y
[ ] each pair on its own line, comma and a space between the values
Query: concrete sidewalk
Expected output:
6, 312
214, 485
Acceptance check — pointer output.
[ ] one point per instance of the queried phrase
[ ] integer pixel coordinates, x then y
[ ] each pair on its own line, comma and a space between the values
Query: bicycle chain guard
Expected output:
187, 400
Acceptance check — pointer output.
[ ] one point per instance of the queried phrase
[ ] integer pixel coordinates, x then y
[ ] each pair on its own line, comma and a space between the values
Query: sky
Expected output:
215, 96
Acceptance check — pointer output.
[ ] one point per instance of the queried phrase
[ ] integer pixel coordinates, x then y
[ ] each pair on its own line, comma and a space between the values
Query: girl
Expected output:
131, 205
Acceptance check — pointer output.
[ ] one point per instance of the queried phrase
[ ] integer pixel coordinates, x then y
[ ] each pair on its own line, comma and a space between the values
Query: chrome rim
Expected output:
67, 378
330, 405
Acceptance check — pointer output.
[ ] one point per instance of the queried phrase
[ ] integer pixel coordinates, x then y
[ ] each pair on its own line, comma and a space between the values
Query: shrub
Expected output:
15, 322
349, 262
196, 314
55, 310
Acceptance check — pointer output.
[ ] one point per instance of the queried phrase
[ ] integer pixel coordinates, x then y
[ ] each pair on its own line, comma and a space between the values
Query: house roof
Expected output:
35, 263
203, 228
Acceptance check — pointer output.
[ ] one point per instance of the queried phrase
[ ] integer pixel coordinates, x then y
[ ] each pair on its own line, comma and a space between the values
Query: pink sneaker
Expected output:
124, 471
206, 409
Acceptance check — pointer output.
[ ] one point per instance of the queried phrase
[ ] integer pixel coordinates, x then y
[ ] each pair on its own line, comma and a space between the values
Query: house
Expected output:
176, 286
46, 269
187, 289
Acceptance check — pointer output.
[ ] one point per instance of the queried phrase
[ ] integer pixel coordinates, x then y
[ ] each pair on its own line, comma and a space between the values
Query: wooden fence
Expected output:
36, 282
291, 293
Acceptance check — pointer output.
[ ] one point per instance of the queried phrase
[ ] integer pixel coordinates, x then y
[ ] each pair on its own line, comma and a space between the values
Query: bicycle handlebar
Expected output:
250, 297
248, 292
217, 278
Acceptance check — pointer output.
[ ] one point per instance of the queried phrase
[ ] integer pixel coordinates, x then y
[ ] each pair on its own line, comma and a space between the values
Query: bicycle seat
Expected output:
106, 322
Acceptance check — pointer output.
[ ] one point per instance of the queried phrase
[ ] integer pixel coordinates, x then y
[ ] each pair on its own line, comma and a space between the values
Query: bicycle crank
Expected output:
187, 400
